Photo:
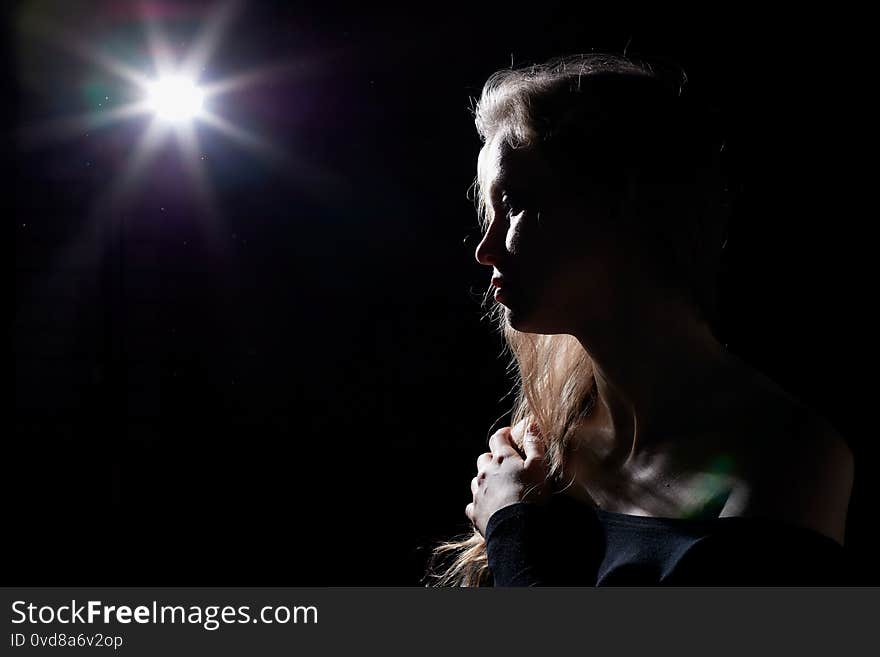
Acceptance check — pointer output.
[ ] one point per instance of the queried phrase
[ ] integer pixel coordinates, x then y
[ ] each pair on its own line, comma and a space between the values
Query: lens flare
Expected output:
181, 103
175, 98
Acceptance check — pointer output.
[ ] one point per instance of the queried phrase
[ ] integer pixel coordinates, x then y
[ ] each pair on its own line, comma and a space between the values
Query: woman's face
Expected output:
557, 267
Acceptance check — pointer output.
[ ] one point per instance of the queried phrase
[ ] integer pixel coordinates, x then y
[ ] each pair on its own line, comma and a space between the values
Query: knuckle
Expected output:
503, 431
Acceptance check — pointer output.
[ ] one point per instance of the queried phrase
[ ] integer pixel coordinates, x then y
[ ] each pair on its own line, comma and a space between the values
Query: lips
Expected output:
501, 288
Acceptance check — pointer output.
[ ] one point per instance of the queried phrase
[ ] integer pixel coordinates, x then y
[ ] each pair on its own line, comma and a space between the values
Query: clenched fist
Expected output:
504, 477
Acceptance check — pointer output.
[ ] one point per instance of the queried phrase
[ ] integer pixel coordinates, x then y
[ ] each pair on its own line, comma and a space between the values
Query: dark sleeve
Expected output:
547, 544
773, 556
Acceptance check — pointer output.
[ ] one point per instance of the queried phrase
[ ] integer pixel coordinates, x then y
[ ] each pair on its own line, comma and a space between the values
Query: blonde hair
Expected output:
559, 105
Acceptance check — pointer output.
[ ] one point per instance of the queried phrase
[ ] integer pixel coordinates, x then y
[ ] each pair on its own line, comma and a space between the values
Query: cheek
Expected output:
511, 240
519, 239
529, 237
579, 272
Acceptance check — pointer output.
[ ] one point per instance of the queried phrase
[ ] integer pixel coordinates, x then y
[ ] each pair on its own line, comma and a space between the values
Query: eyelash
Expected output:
508, 208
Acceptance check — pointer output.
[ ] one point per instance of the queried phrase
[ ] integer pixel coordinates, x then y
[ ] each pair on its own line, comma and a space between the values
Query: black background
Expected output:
294, 389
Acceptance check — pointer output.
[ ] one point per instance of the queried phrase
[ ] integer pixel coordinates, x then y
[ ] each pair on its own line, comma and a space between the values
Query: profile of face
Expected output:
558, 267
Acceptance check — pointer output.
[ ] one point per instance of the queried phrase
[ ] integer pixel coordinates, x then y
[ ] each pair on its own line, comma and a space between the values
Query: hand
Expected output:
504, 477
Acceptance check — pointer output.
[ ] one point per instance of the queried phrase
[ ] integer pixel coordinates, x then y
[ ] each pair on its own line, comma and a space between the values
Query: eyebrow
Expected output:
495, 190
512, 176
506, 182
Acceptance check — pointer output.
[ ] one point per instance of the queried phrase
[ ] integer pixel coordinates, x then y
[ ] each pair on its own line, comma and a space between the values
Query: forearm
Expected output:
516, 546
551, 544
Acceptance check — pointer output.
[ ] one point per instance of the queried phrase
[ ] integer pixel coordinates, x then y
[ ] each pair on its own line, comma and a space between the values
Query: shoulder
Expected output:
804, 475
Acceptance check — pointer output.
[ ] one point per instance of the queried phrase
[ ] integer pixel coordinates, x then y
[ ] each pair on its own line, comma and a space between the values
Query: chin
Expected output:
530, 323
521, 321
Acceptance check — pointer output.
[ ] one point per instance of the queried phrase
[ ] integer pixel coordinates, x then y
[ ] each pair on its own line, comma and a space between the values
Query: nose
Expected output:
489, 250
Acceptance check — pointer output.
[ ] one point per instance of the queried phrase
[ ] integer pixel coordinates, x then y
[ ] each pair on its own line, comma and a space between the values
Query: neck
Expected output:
653, 371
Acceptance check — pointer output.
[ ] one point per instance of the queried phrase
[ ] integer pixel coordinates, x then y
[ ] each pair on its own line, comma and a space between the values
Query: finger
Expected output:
484, 460
500, 443
504, 430
517, 432
533, 444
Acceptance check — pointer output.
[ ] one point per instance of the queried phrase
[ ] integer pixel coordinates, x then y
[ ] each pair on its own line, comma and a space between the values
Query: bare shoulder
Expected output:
804, 474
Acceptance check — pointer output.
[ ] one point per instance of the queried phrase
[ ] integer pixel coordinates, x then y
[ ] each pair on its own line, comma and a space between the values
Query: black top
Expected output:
567, 543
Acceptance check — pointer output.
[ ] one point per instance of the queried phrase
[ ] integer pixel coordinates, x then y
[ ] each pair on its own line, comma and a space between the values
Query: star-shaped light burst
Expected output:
172, 94
176, 98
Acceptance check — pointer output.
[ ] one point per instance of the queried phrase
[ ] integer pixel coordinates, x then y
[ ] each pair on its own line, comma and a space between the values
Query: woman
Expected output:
653, 455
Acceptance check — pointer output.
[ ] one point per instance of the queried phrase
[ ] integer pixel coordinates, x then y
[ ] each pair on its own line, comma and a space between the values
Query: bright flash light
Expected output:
175, 98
